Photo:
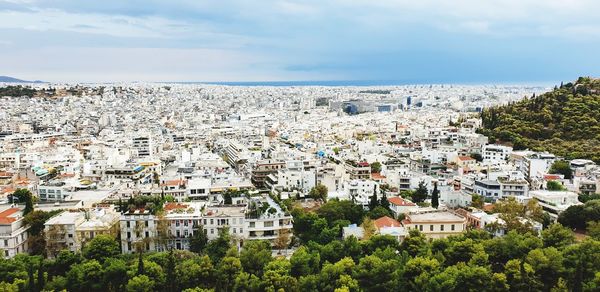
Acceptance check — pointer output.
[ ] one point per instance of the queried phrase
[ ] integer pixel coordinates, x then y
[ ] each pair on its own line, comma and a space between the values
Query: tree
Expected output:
335, 210
379, 212
368, 227
417, 273
562, 167
376, 167
194, 272
101, 247
384, 202
228, 270
421, 193
255, 255
199, 240
578, 215
581, 262
374, 202
216, 249
415, 243
376, 274
557, 236
477, 201
140, 283
115, 274
25, 196
593, 229
283, 239
170, 267
87, 276
547, 265
553, 185
435, 196
303, 262
517, 216
319, 192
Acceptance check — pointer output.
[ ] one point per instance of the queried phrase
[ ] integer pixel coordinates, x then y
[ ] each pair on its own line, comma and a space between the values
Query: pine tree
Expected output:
41, 281
435, 196
140, 270
171, 263
374, 202
384, 202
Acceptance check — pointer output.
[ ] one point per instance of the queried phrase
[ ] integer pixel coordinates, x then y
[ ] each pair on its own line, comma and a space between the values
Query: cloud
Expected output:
281, 39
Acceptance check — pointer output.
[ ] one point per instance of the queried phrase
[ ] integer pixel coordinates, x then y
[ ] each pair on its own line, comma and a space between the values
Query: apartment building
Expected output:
71, 230
13, 232
496, 153
138, 231
262, 169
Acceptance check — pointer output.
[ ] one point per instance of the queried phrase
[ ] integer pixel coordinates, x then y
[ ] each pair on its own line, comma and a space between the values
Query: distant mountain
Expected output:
8, 79
564, 121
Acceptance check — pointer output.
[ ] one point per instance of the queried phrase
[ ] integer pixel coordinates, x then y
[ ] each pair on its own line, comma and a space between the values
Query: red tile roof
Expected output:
551, 176
386, 221
377, 175
173, 206
399, 201
465, 158
4, 215
175, 182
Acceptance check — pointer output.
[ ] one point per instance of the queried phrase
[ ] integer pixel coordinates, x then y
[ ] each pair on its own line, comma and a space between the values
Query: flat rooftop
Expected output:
435, 217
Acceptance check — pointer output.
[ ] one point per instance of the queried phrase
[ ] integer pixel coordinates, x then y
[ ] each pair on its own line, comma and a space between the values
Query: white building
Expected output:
13, 232
555, 202
496, 153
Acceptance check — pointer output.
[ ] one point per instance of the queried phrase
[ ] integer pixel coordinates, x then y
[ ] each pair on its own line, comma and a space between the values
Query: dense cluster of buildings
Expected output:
225, 156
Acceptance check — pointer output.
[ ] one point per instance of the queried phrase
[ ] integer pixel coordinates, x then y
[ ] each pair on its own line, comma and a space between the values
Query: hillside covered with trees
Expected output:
564, 121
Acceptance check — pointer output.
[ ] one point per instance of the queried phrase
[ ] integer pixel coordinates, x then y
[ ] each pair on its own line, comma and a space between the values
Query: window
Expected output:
128, 224
251, 224
70, 235
268, 224
146, 222
431, 227
452, 227
212, 231
147, 234
212, 222
234, 230
420, 227
442, 227
128, 234
177, 223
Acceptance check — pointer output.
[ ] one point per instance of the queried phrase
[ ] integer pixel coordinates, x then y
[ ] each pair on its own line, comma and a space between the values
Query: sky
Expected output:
420, 41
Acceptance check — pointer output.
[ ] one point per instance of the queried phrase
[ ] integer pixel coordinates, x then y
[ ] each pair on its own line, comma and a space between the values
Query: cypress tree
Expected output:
435, 196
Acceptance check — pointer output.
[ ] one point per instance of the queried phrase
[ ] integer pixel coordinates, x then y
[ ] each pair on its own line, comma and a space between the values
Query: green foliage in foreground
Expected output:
565, 121
472, 261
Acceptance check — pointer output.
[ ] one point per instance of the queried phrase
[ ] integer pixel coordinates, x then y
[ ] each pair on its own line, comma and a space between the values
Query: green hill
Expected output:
564, 121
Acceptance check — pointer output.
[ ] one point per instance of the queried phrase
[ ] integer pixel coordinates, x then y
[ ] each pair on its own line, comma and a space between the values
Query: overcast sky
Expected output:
475, 41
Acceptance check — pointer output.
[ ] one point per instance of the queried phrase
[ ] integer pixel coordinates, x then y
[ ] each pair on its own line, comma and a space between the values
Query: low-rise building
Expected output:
438, 224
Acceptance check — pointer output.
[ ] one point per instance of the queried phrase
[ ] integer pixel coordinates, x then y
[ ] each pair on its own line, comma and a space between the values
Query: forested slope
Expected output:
564, 121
